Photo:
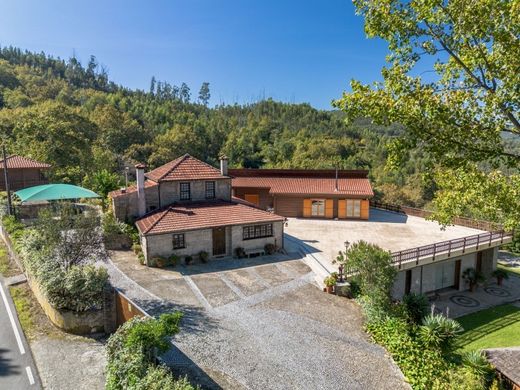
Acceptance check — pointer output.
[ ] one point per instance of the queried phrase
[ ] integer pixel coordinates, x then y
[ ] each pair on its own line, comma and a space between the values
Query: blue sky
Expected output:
295, 51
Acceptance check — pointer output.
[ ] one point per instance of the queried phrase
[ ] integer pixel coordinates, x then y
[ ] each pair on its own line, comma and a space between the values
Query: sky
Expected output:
295, 51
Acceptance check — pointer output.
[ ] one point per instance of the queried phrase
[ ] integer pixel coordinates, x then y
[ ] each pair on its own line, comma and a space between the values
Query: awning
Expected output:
54, 192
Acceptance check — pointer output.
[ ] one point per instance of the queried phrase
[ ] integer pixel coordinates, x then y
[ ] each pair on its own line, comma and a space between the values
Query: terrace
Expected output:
412, 240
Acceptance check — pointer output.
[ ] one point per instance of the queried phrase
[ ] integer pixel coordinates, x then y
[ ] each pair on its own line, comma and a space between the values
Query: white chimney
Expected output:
223, 165
141, 200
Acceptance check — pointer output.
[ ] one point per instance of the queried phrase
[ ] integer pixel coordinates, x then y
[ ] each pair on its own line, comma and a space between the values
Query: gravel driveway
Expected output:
263, 324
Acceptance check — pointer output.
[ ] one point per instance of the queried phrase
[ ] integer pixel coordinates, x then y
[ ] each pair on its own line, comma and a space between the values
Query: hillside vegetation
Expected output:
73, 117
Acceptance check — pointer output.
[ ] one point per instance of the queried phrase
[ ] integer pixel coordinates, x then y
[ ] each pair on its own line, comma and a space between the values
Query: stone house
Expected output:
185, 207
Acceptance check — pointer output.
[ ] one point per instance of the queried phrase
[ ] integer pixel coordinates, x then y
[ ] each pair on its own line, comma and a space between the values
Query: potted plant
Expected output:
188, 259
269, 249
173, 260
160, 262
473, 278
330, 282
500, 274
203, 256
240, 252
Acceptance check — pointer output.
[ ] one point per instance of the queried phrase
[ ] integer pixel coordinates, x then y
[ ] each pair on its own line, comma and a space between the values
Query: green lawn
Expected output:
512, 270
491, 328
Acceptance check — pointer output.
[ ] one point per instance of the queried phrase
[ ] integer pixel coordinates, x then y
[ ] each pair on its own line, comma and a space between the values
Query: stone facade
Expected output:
125, 206
161, 245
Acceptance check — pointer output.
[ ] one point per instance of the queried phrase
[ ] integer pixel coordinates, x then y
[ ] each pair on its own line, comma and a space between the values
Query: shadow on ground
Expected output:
6, 368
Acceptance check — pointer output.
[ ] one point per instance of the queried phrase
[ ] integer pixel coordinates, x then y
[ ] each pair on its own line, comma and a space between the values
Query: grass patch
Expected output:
491, 328
511, 270
24, 307
7, 267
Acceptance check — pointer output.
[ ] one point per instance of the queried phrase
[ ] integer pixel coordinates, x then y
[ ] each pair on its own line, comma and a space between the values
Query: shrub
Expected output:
240, 252
173, 260
160, 378
11, 224
417, 306
137, 248
355, 289
477, 362
203, 256
131, 354
375, 272
140, 257
330, 281
500, 273
439, 331
188, 259
423, 367
269, 249
159, 262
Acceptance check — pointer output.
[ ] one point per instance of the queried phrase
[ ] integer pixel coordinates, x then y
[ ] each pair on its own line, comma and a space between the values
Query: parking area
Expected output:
262, 323
389, 230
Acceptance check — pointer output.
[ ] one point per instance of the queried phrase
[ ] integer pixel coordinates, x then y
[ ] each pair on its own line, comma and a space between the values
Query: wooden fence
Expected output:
416, 212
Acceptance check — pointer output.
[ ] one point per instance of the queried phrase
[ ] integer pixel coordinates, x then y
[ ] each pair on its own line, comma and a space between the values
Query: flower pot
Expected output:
500, 279
330, 289
472, 287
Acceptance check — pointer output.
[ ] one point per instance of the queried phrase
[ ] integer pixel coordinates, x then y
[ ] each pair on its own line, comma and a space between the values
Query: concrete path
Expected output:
259, 324
17, 368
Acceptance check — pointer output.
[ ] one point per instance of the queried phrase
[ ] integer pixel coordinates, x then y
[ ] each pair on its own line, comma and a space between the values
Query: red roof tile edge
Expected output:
156, 216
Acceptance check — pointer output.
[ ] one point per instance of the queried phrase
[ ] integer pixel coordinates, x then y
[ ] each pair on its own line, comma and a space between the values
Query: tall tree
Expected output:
204, 93
470, 98
185, 93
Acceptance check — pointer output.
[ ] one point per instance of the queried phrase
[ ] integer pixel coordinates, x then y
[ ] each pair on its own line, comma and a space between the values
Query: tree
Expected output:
460, 114
373, 270
102, 182
204, 93
152, 85
185, 93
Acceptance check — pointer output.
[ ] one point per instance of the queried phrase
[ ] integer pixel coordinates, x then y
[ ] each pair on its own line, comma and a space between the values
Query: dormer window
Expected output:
185, 191
210, 190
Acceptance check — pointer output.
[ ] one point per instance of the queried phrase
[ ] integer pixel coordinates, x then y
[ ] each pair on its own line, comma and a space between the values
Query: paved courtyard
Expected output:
391, 231
260, 323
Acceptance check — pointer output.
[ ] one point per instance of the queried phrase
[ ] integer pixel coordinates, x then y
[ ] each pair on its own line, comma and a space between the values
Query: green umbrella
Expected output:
54, 192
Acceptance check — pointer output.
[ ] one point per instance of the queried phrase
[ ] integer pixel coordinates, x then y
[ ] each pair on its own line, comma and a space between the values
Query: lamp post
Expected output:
341, 268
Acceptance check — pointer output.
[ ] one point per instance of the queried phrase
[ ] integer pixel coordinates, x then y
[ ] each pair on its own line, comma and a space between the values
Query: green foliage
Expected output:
439, 332
477, 362
173, 260
89, 129
500, 273
188, 259
375, 273
417, 306
464, 117
131, 352
473, 277
102, 182
269, 249
203, 256
330, 281
160, 378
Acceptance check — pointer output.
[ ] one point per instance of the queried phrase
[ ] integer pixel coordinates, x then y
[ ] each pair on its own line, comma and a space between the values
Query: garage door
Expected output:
289, 207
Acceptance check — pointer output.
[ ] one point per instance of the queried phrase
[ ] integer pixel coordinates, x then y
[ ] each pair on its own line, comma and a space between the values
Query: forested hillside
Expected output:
73, 117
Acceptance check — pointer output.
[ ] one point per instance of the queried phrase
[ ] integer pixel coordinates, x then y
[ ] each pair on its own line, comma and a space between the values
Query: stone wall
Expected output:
92, 321
170, 191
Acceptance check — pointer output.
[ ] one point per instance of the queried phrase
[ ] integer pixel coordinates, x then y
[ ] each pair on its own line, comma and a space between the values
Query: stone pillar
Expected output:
224, 165
109, 309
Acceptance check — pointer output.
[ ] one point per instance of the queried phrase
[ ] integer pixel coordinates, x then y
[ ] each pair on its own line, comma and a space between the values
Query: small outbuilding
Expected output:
23, 172
324, 193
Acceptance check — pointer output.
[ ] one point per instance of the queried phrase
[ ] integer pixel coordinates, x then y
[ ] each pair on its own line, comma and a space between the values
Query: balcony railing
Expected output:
413, 211
447, 247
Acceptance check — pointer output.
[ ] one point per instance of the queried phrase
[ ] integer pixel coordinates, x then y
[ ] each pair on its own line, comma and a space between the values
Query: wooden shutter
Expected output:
253, 198
329, 208
365, 206
342, 208
307, 205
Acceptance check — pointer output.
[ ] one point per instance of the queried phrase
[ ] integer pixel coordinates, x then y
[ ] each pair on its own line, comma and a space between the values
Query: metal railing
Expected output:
447, 247
416, 212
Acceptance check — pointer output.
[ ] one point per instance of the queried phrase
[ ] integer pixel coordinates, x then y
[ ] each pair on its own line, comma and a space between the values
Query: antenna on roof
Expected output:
336, 182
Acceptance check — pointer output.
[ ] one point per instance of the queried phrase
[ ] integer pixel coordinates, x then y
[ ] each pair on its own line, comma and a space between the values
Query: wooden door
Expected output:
219, 241
478, 267
458, 264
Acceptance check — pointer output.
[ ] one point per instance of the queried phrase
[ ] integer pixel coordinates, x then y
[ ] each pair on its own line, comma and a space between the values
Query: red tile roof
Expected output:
202, 215
132, 188
184, 168
14, 161
307, 185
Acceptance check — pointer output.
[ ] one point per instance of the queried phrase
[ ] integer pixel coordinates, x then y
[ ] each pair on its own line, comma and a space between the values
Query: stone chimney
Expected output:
223, 165
141, 200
